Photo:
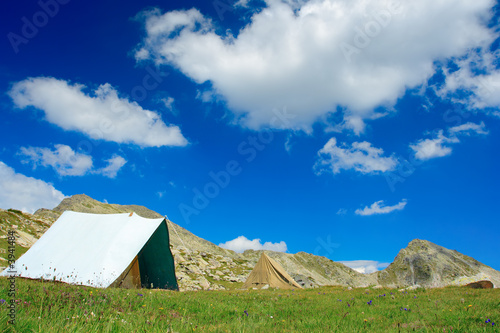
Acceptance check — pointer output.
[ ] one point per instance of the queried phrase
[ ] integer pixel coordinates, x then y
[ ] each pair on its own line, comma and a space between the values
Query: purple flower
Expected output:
245, 312
487, 321
349, 305
140, 295
2, 301
492, 324
414, 296
369, 303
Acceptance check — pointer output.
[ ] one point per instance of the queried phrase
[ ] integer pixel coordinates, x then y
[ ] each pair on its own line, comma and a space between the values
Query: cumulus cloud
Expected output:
100, 115
66, 162
115, 163
242, 243
439, 146
365, 266
379, 208
26, 193
62, 158
361, 157
426, 149
316, 56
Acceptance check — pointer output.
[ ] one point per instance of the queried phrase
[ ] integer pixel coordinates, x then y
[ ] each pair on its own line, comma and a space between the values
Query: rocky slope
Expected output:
201, 264
426, 264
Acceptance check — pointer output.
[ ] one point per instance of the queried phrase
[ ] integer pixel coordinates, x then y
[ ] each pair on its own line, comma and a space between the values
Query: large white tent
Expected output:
102, 250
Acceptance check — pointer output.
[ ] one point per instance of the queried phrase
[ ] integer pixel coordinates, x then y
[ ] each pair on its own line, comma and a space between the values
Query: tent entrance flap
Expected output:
156, 262
131, 277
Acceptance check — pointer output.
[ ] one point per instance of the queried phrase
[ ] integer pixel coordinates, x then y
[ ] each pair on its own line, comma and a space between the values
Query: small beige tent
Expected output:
269, 272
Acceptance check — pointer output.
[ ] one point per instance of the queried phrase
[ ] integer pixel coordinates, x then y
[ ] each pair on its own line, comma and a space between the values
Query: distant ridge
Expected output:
201, 264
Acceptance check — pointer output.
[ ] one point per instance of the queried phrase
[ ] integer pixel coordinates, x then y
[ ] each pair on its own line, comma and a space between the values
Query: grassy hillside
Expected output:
55, 307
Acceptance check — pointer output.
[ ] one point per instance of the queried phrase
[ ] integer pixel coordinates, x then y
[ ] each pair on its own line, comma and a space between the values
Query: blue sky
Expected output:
333, 127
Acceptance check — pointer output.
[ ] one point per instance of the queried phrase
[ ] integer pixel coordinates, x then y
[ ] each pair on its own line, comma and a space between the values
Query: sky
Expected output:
339, 128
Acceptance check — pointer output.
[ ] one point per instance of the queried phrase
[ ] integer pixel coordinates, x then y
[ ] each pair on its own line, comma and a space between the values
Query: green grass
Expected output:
57, 307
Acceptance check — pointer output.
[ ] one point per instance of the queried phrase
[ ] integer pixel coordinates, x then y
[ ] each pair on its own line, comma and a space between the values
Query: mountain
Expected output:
429, 265
201, 264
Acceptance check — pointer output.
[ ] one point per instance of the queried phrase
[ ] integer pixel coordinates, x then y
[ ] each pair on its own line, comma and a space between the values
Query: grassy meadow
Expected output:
57, 307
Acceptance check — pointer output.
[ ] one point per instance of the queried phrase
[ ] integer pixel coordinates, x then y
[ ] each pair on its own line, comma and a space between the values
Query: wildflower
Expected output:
349, 305
2, 301
271, 317
492, 324
366, 320
245, 312
369, 303
140, 295
144, 305
161, 308
470, 305
487, 321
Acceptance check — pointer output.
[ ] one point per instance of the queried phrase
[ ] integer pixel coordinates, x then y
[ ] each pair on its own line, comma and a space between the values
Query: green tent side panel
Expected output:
156, 262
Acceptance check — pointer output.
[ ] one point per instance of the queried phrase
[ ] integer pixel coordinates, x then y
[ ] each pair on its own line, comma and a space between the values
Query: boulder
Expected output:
484, 284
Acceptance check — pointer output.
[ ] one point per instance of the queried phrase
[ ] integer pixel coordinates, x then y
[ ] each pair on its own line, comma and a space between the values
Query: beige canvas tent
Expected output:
269, 272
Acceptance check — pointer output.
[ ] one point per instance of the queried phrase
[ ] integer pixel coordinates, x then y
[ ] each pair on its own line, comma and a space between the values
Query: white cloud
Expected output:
361, 156
379, 208
342, 211
439, 146
67, 162
469, 128
63, 159
482, 90
242, 243
100, 115
432, 148
315, 56
115, 163
26, 193
169, 104
365, 266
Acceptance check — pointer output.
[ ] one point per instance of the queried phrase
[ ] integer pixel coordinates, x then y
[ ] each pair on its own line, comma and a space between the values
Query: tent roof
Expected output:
87, 249
267, 271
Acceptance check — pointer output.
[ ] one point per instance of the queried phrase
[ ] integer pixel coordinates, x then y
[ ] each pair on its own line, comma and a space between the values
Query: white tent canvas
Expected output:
97, 249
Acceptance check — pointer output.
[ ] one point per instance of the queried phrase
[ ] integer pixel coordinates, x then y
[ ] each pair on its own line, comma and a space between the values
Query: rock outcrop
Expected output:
426, 264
